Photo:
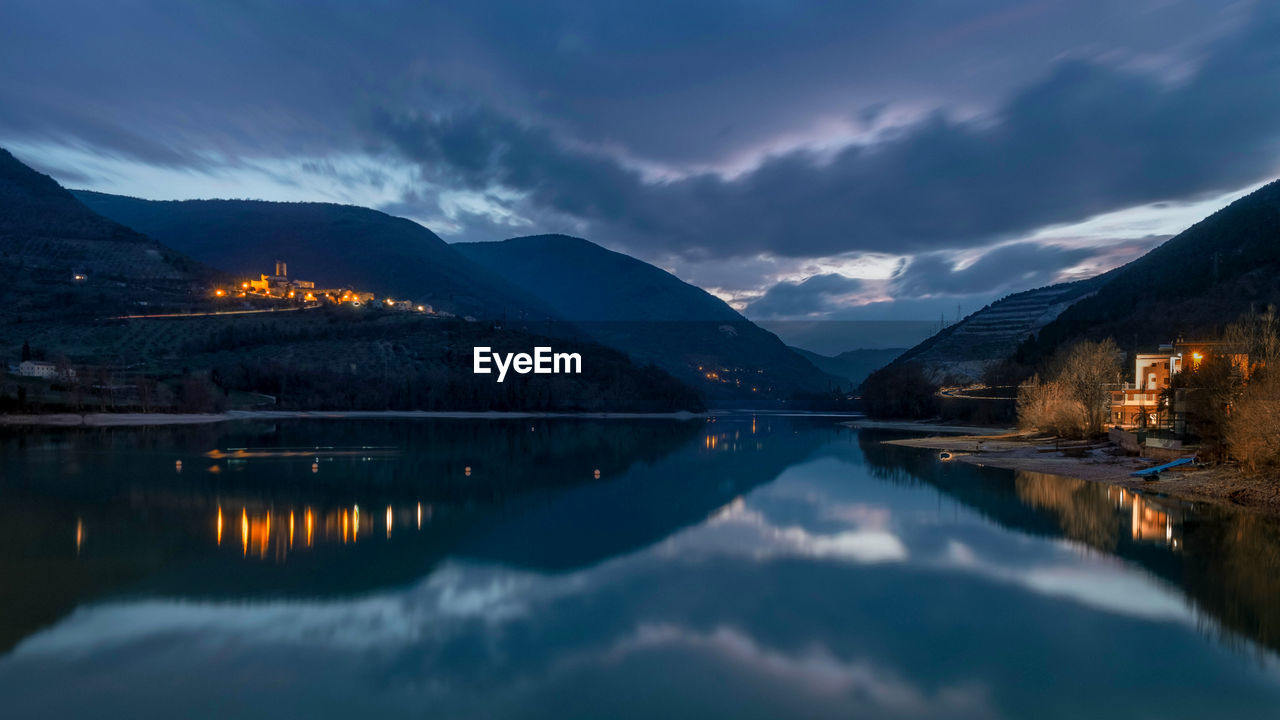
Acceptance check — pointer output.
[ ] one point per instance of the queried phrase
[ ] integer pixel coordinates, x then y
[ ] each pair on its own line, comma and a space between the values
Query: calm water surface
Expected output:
747, 567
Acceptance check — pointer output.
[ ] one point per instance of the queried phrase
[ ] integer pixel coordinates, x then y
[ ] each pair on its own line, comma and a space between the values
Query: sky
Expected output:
802, 160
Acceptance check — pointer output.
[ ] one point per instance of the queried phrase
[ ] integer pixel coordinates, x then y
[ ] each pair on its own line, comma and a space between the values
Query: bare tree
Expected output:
1076, 401
1091, 368
1252, 417
1256, 335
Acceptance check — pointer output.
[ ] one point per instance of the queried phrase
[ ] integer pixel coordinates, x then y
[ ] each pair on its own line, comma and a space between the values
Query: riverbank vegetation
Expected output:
1073, 399
1223, 406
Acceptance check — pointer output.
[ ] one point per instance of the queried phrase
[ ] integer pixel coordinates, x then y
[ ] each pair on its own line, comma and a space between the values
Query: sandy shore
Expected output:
143, 419
1222, 485
926, 427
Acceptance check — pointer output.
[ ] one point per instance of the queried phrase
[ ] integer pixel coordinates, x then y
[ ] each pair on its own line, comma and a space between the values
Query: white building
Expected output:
46, 370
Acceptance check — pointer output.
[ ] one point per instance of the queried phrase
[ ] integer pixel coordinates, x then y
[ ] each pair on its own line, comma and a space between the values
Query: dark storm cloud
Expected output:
815, 295
1019, 266
666, 80
1086, 139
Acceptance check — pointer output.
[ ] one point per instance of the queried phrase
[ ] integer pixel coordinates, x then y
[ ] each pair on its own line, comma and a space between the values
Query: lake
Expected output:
744, 566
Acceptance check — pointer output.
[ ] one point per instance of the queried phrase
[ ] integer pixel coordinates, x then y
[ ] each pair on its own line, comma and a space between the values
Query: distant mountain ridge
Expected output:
852, 366
334, 245
584, 282
652, 315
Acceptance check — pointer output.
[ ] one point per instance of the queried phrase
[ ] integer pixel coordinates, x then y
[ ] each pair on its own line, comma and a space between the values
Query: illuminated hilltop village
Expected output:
282, 287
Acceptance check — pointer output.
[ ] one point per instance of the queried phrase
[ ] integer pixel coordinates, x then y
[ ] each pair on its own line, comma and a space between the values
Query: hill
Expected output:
653, 316
852, 366
60, 259
68, 273
44, 227
333, 245
1192, 285
965, 351
971, 350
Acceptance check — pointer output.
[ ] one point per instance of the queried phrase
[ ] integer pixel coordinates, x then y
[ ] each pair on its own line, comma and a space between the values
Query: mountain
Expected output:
852, 366
332, 245
62, 262
832, 337
963, 352
1192, 285
73, 285
653, 316
44, 229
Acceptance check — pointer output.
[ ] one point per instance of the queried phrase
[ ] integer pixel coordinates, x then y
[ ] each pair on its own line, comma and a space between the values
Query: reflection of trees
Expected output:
45, 575
592, 522
1084, 510
1226, 561
1233, 569
506, 457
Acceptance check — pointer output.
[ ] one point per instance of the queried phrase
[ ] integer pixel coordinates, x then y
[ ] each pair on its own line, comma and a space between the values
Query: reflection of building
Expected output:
1149, 521
263, 532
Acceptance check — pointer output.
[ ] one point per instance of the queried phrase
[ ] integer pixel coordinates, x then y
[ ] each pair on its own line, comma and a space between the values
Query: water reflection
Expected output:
321, 526
751, 566
1226, 562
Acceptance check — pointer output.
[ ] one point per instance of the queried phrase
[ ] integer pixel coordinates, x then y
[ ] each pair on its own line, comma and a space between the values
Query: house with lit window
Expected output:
1138, 403
1143, 402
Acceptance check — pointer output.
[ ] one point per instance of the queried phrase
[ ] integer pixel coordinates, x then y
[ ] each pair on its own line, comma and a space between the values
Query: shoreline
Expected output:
913, 426
69, 420
1219, 485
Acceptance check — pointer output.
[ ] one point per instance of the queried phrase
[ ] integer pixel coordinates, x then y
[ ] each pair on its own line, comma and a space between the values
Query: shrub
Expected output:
1253, 428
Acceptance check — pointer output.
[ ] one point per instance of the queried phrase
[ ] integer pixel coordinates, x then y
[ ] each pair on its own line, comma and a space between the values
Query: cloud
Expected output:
668, 81
1087, 139
1018, 266
768, 133
817, 294
934, 282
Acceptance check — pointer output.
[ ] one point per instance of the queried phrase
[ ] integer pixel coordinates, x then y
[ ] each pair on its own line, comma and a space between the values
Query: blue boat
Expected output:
1154, 473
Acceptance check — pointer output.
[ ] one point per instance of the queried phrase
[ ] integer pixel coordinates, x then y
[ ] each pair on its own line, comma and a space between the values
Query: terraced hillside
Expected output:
963, 352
